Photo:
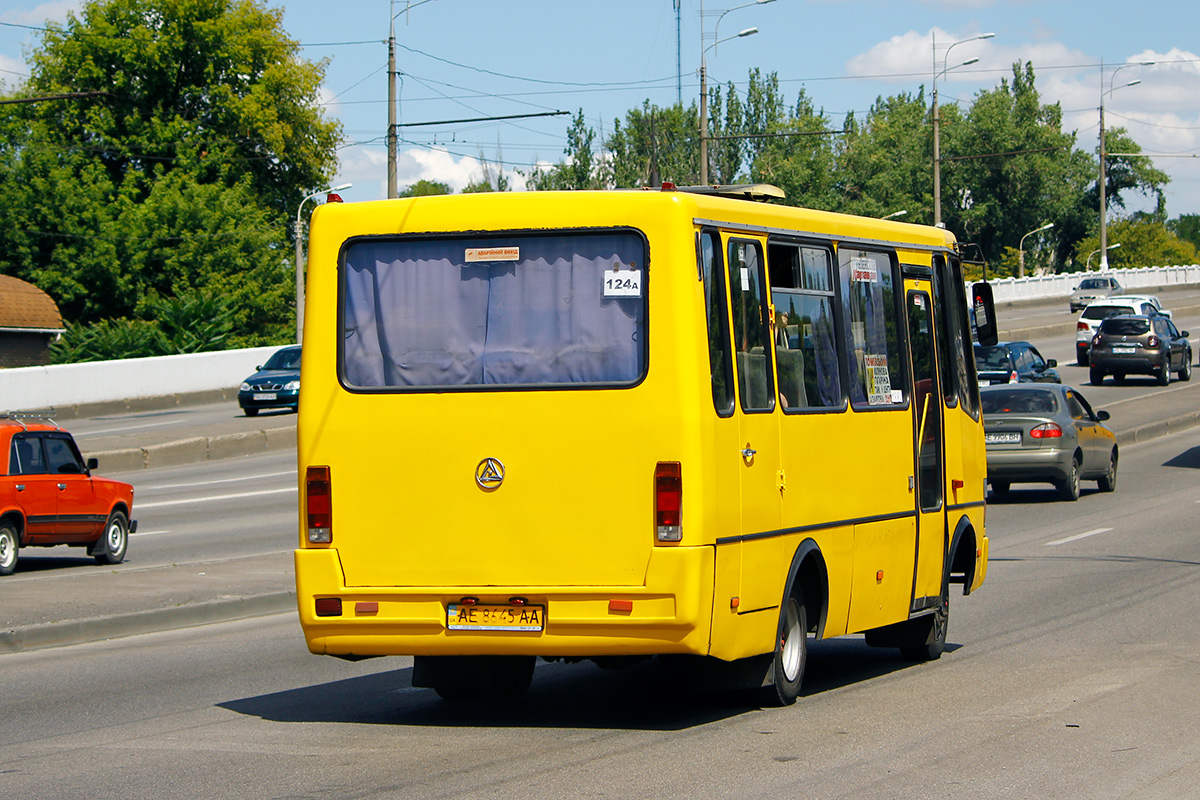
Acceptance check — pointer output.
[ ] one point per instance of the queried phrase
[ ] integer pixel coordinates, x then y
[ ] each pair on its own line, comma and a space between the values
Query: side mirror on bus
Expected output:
984, 307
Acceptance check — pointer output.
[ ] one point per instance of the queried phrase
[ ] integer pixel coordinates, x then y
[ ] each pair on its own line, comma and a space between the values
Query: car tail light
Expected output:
1013, 377
1081, 326
318, 500
668, 501
1047, 430
1153, 341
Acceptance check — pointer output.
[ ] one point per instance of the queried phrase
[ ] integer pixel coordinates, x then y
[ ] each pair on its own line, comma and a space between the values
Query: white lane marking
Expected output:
160, 504
1141, 398
219, 480
1078, 536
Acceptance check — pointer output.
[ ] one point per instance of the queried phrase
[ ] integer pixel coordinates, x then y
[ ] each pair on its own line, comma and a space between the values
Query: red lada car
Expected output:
48, 495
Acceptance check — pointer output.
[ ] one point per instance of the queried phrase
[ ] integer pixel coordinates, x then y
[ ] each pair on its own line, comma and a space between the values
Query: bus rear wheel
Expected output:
934, 645
791, 655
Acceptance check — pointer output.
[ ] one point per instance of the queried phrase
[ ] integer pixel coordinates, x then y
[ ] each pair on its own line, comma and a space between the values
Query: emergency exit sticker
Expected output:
622, 283
477, 254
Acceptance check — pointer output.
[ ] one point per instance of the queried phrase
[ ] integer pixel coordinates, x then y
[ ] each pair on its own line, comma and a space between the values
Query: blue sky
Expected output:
479, 58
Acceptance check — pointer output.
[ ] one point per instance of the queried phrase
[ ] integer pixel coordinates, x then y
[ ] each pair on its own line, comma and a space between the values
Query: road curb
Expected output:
196, 450
82, 631
1155, 430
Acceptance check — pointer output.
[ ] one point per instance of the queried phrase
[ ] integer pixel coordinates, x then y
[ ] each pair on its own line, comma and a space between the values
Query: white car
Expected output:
1092, 289
1090, 319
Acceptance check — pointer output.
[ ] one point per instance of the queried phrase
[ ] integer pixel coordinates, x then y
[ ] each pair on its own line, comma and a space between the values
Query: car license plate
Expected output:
1002, 437
1123, 351
482, 617
984, 383
264, 396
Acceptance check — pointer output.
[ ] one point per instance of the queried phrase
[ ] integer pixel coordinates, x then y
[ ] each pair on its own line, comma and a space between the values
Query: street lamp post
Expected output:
1021, 248
704, 75
1103, 258
300, 258
937, 119
391, 129
895, 214
1103, 154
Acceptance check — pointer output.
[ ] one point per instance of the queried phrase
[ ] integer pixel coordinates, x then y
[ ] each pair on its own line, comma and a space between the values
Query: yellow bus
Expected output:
612, 425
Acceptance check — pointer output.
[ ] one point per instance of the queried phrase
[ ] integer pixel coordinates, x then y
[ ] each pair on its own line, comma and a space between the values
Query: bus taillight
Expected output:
319, 501
668, 500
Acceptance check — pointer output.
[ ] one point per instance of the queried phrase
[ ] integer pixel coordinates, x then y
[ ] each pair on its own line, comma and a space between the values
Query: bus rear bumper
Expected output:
670, 613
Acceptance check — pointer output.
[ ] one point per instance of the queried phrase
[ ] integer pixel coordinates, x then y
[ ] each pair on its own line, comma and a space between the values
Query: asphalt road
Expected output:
1070, 673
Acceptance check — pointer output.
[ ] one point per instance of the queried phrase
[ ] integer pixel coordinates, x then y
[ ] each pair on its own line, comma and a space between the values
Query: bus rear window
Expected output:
498, 310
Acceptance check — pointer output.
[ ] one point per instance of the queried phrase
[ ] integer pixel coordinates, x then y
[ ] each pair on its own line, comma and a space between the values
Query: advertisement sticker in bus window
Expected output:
622, 282
878, 379
477, 254
864, 270
745, 279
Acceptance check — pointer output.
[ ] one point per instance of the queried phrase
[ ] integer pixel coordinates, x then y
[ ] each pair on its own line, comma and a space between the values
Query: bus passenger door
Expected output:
928, 435
758, 451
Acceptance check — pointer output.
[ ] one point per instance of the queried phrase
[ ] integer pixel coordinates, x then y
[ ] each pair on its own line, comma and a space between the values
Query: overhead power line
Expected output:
481, 119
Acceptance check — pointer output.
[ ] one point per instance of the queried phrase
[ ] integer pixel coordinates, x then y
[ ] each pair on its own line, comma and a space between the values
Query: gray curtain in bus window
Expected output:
417, 314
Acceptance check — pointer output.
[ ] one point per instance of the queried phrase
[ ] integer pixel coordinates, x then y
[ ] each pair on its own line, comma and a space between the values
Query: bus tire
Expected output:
935, 634
791, 654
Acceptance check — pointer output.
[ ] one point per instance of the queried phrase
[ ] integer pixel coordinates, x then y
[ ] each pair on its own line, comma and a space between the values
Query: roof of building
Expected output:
23, 305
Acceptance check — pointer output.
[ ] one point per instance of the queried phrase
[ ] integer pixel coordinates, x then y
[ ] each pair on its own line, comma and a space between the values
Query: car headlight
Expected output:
292, 386
245, 387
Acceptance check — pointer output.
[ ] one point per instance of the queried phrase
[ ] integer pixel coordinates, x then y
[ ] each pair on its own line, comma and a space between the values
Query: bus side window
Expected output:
805, 334
719, 359
872, 330
942, 301
964, 355
751, 338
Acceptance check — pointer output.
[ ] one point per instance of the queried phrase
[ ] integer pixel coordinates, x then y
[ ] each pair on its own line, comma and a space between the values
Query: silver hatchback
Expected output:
1046, 433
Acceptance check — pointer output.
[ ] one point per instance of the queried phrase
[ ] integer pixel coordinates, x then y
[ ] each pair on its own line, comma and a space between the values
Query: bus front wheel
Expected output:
791, 655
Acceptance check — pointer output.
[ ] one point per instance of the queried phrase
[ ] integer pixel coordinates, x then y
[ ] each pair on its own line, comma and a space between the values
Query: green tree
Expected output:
491, 179
884, 165
1008, 167
426, 188
791, 150
1144, 242
208, 131
652, 145
580, 170
1186, 227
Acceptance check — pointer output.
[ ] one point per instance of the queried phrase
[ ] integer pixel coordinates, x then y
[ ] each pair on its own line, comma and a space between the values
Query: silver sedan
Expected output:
1046, 433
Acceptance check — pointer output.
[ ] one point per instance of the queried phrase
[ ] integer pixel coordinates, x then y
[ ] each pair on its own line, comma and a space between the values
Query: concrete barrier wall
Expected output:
60, 385
1006, 290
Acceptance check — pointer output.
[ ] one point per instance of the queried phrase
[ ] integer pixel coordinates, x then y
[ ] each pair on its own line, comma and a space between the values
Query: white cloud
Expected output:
366, 168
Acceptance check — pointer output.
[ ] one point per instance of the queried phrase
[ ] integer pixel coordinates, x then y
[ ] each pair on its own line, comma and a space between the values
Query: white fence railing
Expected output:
1006, 290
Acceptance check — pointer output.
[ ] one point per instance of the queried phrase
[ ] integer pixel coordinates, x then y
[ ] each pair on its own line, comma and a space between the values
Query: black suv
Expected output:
1013, 362
1140, 345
